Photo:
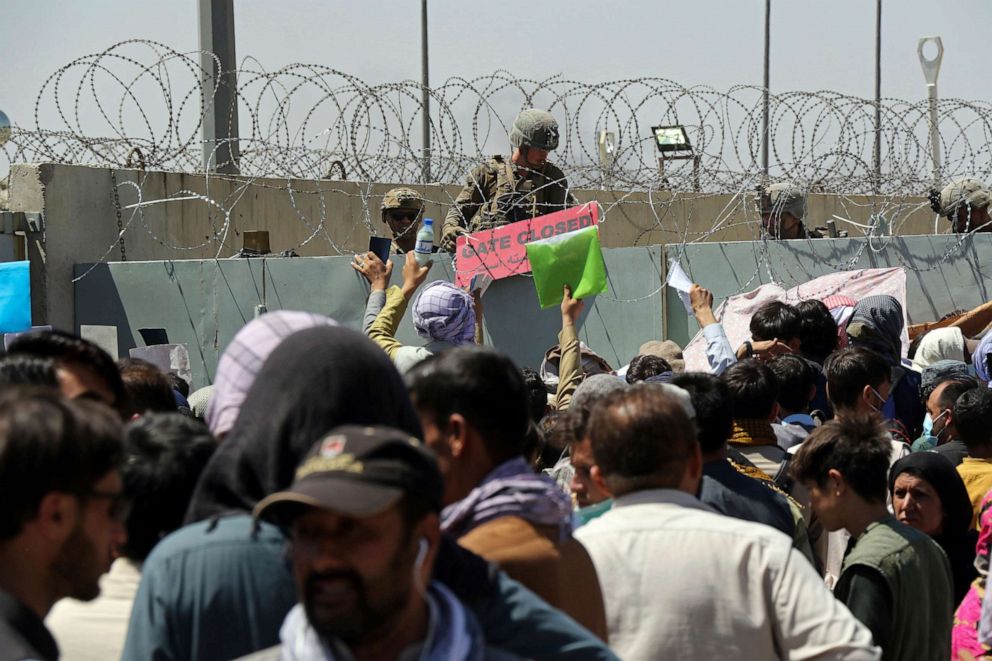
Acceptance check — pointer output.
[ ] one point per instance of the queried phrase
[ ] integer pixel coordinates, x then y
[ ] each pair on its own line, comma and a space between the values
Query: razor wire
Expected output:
304, 127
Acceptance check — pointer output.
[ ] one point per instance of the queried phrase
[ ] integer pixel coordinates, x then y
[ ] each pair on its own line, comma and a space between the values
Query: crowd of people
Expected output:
818, 492
336, 495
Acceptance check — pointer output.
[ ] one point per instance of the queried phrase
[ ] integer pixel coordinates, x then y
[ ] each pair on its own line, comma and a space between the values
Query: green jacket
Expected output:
496, 193
897, 581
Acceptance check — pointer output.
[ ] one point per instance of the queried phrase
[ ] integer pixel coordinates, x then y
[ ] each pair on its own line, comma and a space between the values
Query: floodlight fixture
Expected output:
671, 138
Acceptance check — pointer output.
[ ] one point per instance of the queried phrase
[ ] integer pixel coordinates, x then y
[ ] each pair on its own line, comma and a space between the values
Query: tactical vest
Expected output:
511, 198
919, 579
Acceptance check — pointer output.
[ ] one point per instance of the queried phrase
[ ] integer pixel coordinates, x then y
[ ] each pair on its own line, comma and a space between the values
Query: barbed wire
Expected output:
142, 104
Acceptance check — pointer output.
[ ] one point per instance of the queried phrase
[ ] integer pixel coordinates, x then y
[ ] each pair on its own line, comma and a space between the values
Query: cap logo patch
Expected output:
344, 463
332, 446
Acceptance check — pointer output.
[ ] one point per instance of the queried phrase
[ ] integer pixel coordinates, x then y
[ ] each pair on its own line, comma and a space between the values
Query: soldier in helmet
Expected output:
783, 209
402, 209
965, 203
503, 191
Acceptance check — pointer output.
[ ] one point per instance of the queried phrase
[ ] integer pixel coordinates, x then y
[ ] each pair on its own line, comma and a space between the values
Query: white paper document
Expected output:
680, 282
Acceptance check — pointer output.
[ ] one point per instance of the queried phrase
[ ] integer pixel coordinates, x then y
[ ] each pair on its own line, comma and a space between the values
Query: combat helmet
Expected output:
535, 128
783, 197
402, 198
960, 192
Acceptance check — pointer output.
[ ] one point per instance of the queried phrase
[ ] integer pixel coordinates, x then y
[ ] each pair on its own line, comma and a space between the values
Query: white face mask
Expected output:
881, 400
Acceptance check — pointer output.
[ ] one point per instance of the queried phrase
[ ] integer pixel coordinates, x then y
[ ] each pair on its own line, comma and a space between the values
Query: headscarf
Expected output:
938, 372
940, 344
877, 324
444, 312
315, 380
979, 359
957, 538
244, 356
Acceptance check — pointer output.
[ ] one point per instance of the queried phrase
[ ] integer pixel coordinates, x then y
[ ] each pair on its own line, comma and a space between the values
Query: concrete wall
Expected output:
205, 302
943, 273
325, 217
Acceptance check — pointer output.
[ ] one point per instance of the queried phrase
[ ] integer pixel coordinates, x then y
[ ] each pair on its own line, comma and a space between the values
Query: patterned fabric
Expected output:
753, 432
511, 489
964, 636
442, 311
735, 313
243, 358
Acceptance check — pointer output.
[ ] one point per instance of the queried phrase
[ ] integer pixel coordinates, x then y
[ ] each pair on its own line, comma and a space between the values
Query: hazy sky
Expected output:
816, 45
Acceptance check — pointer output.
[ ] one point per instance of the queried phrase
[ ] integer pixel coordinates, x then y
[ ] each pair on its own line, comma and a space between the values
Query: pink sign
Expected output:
500, 253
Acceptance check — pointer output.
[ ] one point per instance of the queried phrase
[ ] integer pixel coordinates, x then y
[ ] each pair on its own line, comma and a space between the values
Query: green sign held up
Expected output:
574, 258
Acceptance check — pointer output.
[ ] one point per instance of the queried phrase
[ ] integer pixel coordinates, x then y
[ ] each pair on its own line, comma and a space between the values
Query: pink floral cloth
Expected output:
735, 313
964, 636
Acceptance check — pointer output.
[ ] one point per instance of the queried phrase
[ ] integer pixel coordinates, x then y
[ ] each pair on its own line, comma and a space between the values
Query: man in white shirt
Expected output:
683, 582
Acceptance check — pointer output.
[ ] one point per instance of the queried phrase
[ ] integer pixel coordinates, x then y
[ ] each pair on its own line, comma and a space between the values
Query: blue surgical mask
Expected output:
927, 425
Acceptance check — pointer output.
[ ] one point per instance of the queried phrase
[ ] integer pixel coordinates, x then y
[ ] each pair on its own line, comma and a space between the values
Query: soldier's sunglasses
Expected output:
400, 215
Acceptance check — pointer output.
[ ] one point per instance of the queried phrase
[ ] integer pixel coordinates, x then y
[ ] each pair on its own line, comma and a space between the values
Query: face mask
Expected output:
942, 429
587, 514
927, 425
881, 401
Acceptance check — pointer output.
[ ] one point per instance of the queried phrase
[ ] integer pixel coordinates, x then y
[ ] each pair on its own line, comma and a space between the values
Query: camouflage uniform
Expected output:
496, 193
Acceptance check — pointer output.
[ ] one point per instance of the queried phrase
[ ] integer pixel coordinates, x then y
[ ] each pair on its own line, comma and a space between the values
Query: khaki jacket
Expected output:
561, 574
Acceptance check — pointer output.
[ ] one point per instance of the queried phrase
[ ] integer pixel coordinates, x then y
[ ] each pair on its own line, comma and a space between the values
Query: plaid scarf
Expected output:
511, 489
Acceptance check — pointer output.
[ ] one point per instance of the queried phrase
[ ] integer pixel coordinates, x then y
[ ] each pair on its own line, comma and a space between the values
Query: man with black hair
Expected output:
146, 388
943, 432
21, 369
859, 381
646, 367
166, 452
723, 588
363, 515
719, 353
473, 410
754, 393
818, 338
796, 379
817, 330
723, 487
776, 320
83, 369
63, 511
973, 413
894, 577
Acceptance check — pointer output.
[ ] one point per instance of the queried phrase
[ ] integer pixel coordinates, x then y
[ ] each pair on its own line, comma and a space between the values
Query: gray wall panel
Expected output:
205, 302
943, 272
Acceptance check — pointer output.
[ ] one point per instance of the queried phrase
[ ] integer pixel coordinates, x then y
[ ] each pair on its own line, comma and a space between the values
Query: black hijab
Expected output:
957, 537
315, 380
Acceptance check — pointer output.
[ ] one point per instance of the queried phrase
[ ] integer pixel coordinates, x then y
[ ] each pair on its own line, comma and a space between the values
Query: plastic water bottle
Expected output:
425, 242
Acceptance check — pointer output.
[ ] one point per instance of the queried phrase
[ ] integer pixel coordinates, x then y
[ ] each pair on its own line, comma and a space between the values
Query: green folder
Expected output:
574, 258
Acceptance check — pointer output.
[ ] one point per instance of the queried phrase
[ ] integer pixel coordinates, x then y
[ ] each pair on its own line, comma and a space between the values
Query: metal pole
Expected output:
220, 120
764, 117
425, 84
931, 70
878, 96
